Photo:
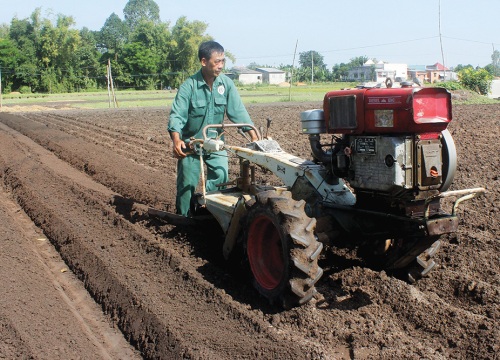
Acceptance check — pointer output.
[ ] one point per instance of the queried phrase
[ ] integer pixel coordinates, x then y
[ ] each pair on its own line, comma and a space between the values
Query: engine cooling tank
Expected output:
313, 122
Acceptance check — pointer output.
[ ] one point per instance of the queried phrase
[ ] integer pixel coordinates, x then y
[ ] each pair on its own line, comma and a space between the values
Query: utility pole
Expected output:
108, 80
312, 67
291, 72
441, 41
494, 61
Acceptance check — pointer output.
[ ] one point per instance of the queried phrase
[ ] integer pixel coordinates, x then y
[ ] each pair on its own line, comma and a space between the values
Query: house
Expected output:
362, 73
272, 76
431, 73
378, 72
418, 74
245, 76
441, 73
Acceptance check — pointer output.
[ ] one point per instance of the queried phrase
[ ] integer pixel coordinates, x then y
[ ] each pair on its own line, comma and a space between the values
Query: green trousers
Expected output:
188, 177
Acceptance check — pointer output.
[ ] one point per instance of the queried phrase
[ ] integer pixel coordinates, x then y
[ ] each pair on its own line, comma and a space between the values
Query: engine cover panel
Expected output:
429, 164
381, 163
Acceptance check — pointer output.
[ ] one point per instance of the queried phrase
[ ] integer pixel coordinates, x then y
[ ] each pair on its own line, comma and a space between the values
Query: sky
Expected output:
273, 32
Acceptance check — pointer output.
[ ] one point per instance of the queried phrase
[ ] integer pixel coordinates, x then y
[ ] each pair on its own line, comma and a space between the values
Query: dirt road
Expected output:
84, 179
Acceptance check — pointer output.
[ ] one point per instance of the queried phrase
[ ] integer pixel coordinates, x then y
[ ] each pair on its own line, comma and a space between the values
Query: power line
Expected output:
373, 46
473, 41
383, 44
348, 49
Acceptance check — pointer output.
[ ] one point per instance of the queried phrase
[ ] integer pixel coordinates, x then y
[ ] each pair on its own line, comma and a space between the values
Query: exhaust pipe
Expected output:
317, 151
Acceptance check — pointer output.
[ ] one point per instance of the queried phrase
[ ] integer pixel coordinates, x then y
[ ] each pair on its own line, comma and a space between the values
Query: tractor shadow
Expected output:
205, 242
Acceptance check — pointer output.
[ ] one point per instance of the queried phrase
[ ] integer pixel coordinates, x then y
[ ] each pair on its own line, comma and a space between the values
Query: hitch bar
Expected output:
463, 195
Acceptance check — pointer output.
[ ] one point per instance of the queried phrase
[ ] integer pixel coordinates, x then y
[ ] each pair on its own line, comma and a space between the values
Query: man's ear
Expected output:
203, 62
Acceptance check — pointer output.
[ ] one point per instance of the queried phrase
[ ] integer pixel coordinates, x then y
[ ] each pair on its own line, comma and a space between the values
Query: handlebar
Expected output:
216, 126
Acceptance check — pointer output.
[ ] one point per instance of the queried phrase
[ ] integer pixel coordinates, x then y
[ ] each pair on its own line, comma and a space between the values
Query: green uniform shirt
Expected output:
195, 106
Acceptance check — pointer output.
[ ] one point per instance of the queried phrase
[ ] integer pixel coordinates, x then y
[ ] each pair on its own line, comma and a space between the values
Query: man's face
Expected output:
214, 65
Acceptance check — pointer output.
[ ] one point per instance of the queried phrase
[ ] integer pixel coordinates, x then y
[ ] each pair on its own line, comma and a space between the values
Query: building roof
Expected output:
271, 70
243, 70
438, 66
417, 67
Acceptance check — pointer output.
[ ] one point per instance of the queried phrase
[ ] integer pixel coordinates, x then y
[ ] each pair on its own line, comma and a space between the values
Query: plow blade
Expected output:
179, 220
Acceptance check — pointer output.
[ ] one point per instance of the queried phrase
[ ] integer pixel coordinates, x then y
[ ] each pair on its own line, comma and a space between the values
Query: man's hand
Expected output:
179, 145
253, 135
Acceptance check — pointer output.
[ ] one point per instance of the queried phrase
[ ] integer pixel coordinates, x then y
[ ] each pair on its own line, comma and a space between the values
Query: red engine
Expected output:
393, 142
383, 111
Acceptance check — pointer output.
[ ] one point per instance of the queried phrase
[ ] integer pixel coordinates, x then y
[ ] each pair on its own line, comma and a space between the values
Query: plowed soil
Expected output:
85, 273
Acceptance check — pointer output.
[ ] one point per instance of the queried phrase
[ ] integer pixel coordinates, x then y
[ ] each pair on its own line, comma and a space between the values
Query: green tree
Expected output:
308, 58
312, 67
153, 35
4, 31
460, 67
8, 58
157, 38
340, 72
186, 38
68, 39
25, 34
494, 67
475, 80
89, 72
357, 61
113, 35
322, 74
136, 11
141, 63
494, 71
55, 48
58, 45
57, 57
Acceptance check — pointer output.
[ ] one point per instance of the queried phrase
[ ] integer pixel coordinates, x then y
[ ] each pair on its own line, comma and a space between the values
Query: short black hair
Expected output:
207, 48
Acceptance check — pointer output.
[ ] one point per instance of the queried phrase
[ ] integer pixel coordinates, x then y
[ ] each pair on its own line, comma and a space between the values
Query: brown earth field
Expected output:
86, 274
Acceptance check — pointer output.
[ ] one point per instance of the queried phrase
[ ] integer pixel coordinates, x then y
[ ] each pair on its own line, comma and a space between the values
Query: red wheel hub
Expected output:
265, 252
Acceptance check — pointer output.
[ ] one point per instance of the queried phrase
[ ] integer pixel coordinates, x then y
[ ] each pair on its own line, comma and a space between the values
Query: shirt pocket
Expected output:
198, 108
220, 104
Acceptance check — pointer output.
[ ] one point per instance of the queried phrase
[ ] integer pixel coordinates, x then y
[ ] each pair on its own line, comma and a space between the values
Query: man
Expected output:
203, 99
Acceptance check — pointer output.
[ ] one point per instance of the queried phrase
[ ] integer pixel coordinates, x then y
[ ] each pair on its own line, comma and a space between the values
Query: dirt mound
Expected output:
170, 293
463, 95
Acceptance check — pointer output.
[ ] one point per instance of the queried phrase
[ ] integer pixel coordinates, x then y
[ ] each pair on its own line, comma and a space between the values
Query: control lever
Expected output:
268, 126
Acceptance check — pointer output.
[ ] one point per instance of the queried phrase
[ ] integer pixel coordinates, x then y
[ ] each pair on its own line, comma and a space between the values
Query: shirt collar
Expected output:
201, 81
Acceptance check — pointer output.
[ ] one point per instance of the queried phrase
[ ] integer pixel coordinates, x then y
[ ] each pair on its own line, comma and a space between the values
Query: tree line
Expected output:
41, 55
38, 54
